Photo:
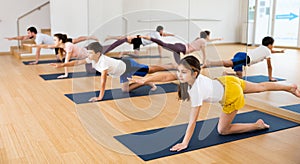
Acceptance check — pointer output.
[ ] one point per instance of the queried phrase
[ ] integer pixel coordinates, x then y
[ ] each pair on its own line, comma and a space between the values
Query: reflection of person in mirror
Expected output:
199, 44
137, 42
256, 55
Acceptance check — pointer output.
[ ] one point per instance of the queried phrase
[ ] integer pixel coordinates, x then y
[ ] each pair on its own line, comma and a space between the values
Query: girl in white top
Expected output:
227, 90
254, 56
68, 50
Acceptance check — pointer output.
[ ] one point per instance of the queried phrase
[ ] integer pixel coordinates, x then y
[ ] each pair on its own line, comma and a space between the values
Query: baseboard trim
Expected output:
5, 53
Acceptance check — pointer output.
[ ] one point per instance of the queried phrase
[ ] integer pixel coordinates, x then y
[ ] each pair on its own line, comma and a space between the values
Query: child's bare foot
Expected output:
33, 63
154, 87
261, 124
295, 90
129, 38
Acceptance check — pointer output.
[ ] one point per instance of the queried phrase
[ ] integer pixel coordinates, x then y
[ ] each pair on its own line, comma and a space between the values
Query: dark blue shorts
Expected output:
239, 60
133, 68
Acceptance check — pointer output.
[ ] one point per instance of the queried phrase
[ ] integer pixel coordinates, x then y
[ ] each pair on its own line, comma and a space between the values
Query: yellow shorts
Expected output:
233, 98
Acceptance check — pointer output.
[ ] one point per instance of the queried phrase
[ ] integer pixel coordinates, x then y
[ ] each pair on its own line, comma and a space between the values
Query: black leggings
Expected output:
176, 48
114, 45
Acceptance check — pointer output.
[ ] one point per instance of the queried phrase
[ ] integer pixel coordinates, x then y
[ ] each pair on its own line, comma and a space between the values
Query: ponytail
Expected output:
183, 92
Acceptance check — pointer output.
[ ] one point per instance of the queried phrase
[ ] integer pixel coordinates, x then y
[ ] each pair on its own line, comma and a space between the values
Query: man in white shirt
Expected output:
39, 39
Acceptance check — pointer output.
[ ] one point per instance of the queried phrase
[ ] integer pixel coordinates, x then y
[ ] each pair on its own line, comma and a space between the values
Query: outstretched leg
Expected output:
224, 63
114, 45
110, 37
157, 68
226, 127
126, 87
84, 38
177, 47
271, 86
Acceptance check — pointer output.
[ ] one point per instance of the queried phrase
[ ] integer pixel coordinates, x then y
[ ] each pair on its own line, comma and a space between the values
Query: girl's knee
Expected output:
222, 130
125, 88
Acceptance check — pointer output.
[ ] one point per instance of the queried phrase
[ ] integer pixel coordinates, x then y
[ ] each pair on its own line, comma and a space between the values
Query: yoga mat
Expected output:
70, 75
42, 62
260, 78
153, 144
143, 56
45, 61
80, 98
294, 108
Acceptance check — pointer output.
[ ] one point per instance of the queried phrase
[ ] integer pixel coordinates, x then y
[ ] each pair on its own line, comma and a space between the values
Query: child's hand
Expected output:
178, 147
94, 99
29, 45
56, 65
272, 80
62, 76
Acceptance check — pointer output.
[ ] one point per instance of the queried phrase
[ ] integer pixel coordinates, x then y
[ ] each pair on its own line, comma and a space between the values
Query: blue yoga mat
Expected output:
260, 78
143, 56
294, 108
80, 98
153, 144
70, 75
43, 62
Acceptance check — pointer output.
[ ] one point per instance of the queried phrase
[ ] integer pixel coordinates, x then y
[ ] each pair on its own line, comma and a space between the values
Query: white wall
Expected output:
102, 17
105, 18
91, 17
11, 10
226, 13
69, 17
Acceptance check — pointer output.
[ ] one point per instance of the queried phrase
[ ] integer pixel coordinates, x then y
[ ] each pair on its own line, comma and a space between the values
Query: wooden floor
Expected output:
38, 124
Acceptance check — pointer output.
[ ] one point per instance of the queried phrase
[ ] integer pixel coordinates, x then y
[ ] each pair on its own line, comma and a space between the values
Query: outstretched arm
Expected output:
167, 34
277, 51
109, 37
18, 38
214, 39
41, 45
189, 131
69, 64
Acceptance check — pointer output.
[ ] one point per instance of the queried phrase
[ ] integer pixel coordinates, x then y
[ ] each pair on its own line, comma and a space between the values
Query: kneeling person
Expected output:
124, 68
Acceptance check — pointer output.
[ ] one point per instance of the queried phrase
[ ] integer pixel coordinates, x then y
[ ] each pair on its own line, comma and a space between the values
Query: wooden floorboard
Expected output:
38, 124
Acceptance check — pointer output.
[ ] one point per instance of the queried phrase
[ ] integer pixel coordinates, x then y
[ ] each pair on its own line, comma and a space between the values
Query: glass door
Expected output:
286, 23
263, 20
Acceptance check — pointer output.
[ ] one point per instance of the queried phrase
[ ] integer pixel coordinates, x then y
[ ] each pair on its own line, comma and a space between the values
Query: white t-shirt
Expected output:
259, 54
153, 34
115, 68
205, 89
77, 52
43, 39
